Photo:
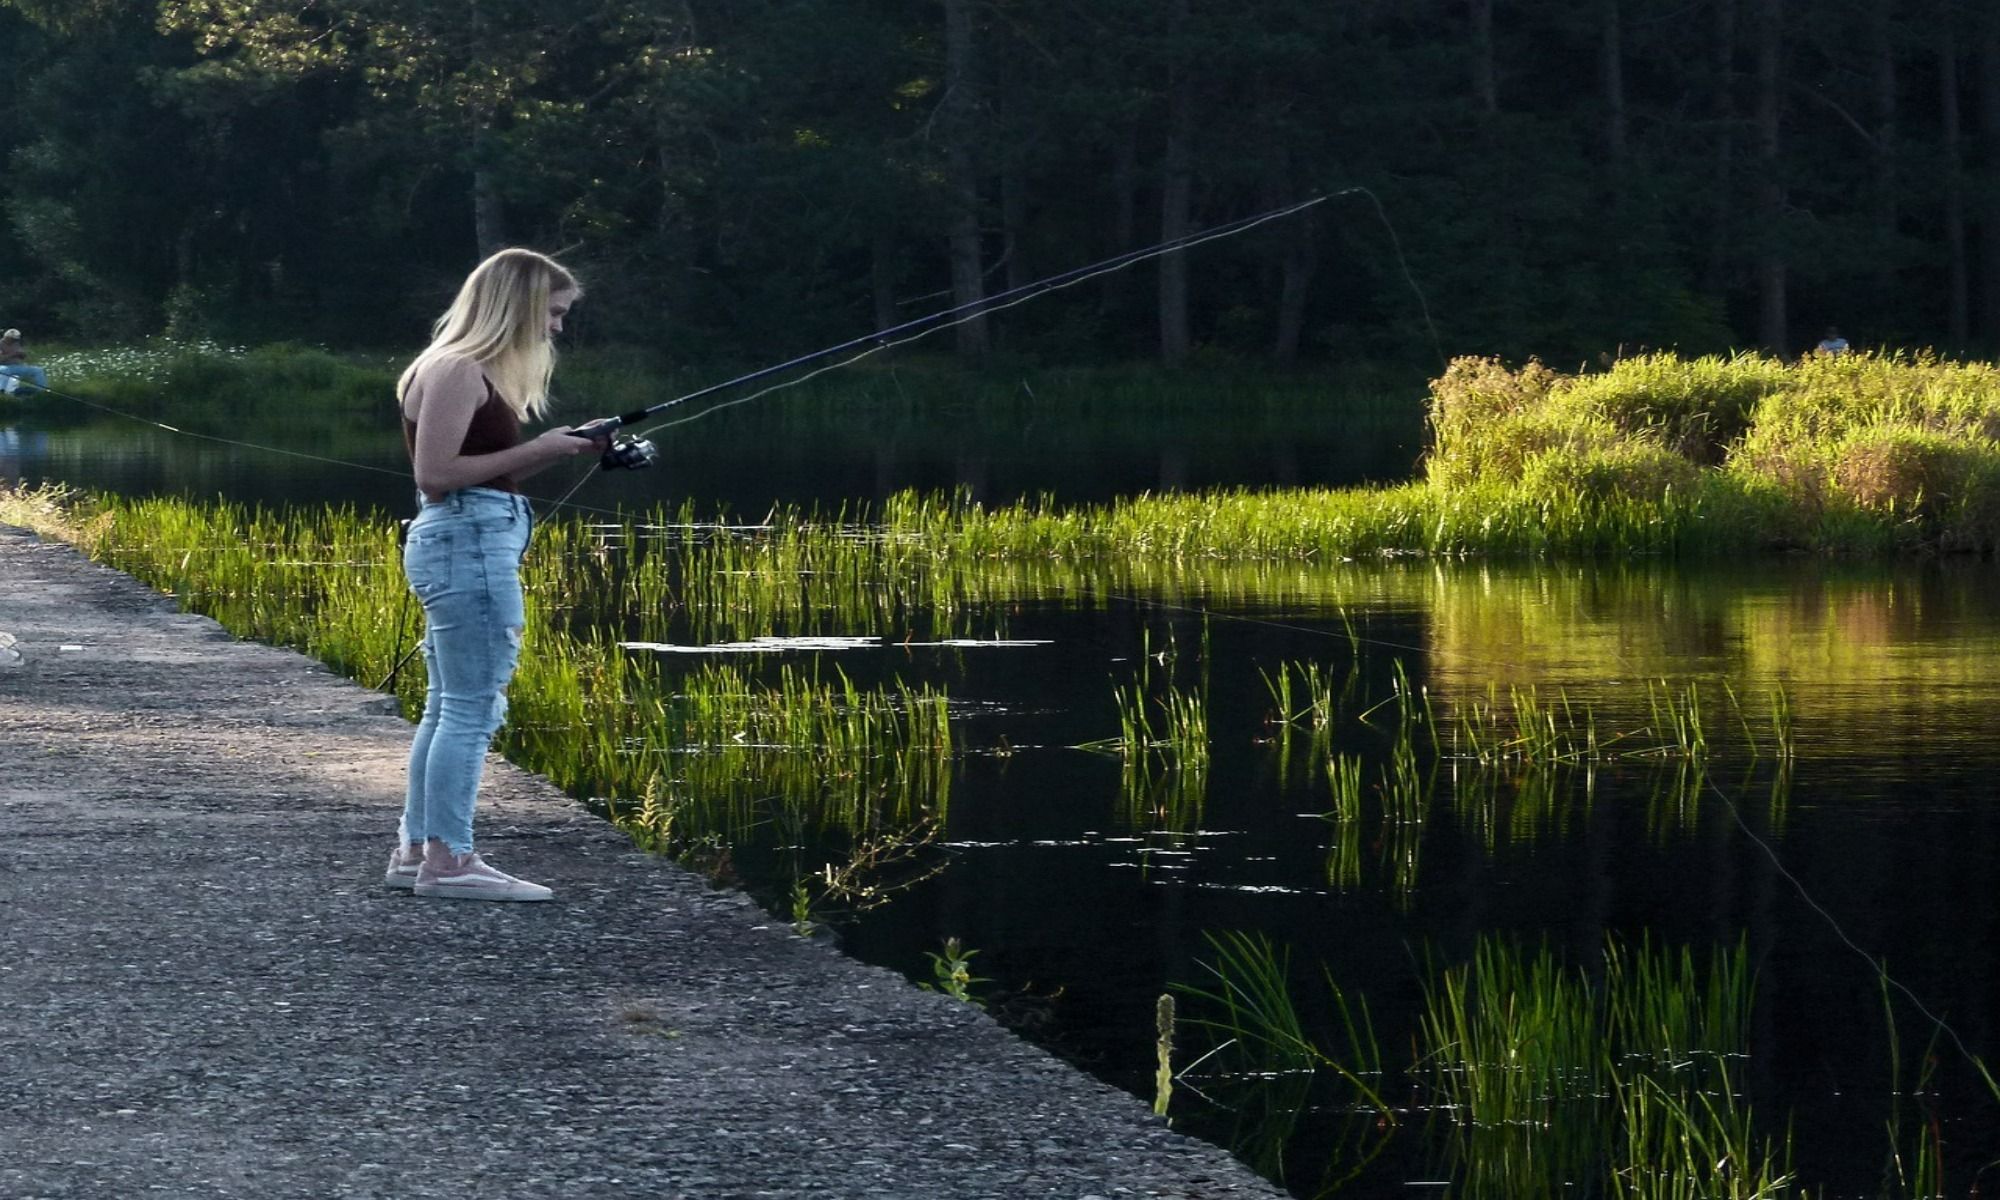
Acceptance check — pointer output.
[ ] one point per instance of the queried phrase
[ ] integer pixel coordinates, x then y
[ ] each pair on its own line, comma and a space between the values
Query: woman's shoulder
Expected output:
454, 373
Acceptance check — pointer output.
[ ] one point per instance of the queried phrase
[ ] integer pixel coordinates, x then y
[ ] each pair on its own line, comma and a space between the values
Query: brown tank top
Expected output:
494, 427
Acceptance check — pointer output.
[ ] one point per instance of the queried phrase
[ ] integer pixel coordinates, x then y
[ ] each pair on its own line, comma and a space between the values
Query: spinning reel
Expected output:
623, 454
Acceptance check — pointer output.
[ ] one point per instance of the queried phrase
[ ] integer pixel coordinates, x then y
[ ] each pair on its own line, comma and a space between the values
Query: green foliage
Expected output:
1854, 452
1554, 1081
1251, 1007
951, 973
198, 378
757, 176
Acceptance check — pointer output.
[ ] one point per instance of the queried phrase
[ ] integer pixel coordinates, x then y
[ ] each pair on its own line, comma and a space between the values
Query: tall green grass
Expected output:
1556, 1082
686, 757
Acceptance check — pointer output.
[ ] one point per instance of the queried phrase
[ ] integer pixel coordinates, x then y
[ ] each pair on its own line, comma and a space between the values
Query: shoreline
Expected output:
206, 990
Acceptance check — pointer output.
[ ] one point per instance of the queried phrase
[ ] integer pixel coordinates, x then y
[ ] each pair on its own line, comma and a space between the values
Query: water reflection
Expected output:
21, 454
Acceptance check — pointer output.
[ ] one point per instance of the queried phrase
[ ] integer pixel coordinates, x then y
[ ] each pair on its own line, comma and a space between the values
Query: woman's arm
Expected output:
441, 400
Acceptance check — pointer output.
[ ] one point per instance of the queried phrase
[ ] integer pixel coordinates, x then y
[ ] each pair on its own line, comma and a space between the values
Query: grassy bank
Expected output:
1857, 454
1848, 453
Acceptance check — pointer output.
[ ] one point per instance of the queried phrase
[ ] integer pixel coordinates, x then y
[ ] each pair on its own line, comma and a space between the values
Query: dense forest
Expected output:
1563, 178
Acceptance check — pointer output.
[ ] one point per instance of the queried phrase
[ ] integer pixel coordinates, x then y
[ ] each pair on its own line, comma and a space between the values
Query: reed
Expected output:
1677, 721
1783, 740
1554, 1083
1315, 707
1343, 774
1916, 1153
1250, 1007
1179, 738
1694, 1145
1405, 787
1531, 731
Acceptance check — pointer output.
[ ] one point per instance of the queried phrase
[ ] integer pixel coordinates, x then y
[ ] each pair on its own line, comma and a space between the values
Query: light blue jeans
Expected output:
463, 561
27, 373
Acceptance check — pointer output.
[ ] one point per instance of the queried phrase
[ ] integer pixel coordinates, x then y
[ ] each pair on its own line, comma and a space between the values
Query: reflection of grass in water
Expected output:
1530, 731
1518, 805
1164, 797
829, 754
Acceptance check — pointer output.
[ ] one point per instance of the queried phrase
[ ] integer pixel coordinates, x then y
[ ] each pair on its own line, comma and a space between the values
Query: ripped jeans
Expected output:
463, 561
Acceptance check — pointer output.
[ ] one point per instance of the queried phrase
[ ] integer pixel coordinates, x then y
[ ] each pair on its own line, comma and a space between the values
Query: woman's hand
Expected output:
559, 443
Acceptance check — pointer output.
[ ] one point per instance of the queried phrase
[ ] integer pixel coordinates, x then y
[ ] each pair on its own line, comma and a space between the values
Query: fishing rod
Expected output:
635, 452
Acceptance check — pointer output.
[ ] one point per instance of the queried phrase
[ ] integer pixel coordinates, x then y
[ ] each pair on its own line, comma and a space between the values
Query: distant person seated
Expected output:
1832, 343
14, 361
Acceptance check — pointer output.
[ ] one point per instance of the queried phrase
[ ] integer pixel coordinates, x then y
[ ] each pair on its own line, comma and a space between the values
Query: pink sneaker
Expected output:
403, 864
468, 877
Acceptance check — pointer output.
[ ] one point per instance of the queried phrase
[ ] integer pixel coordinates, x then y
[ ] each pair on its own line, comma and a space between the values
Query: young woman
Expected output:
463, 402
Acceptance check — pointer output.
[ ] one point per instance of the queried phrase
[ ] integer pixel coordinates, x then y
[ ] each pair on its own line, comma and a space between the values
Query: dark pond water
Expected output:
1085, 902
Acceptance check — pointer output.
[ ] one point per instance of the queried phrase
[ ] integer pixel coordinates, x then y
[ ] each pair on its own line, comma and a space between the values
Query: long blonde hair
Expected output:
500, 320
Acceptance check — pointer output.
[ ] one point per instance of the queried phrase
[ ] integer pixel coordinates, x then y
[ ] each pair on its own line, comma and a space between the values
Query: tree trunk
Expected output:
1296, 261
1176, 197
1882, 33
1485, 86
1723, 110
1989, 216
961, 101
1301, 259
1958, 281
1014, 223
489, 221
1124, 211
882, 280
1773, 324
489, 218
1614, 82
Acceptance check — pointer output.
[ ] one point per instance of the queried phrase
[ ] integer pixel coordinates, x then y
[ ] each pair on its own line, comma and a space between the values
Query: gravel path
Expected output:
205, 990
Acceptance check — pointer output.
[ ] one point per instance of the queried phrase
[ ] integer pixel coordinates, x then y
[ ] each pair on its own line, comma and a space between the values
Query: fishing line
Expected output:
210, 437
1736, 814
1881, 971
921, 327
318, 458
973, 310
868, 345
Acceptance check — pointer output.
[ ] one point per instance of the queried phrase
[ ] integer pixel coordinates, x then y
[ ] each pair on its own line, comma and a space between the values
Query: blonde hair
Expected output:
500, 320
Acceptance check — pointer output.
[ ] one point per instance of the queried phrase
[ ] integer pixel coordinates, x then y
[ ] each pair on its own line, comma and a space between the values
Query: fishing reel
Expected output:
623, 454
629, 454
